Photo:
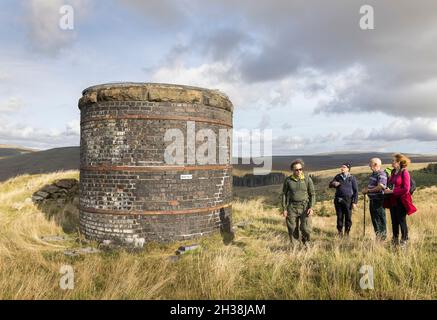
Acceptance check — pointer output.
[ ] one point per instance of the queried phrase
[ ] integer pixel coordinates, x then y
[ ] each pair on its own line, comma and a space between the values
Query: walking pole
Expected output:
364, 224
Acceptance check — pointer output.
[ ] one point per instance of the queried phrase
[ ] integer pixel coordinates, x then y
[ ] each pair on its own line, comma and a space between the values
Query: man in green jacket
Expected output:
298, 200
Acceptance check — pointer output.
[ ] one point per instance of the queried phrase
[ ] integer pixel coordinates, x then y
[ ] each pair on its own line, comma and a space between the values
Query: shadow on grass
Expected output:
59, 202
226, 227
324, 233
65, 215
239, 244
270, 220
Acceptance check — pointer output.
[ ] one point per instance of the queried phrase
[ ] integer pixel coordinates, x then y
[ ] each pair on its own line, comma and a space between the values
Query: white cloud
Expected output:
419, 129
216, 75
29, 136
222, 76
4, 76
308, 83
12, 104
73, 128
42, 18
287, 37
292, 143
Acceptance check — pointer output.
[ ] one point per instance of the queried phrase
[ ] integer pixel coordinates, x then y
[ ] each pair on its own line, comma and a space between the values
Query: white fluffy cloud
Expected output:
42, 22
325, 89
73, 128
261, 95
278, 39
289, 144
18, 134
12, 104
217, 75
420, 129
4, 76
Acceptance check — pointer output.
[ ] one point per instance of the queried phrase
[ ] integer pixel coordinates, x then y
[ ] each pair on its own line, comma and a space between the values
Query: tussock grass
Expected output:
258, 264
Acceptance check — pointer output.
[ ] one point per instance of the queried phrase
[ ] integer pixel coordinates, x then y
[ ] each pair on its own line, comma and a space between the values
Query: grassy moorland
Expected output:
258, 264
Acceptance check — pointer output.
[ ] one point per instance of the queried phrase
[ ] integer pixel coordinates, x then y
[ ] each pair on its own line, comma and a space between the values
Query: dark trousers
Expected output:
377, 214
343, 209
399, 221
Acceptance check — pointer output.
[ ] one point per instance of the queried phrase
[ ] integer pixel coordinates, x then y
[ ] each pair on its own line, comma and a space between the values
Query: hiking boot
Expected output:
395, 242
294, 242
306, 245
381, 237
403, 243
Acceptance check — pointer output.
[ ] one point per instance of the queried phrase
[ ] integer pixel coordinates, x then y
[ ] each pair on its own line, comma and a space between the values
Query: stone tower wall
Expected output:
127, 190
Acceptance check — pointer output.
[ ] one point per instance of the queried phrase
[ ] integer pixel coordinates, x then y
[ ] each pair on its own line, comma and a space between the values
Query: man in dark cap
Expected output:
346, 198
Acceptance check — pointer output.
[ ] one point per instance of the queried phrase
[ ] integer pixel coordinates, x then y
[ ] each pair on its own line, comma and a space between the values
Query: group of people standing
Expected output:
390, 188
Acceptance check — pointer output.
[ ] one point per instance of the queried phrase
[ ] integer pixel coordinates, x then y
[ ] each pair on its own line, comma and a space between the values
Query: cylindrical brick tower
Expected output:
128, 188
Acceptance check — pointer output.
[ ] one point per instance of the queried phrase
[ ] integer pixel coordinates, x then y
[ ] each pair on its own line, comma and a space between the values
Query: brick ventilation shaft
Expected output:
127, 191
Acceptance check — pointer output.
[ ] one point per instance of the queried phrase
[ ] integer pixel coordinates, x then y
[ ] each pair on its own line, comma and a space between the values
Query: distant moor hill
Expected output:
10, 151
16, 161
39, 162
334, 160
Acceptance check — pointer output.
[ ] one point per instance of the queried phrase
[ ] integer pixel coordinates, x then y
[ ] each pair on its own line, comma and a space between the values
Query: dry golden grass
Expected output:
258, 264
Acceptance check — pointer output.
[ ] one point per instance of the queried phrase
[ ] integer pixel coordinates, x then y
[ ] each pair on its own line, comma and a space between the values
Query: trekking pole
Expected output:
364, 224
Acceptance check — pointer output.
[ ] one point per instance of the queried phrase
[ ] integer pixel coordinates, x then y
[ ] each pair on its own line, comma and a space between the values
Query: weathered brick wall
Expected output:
126, 188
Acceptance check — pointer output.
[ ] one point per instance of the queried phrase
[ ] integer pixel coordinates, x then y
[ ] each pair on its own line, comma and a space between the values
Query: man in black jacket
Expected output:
346, 198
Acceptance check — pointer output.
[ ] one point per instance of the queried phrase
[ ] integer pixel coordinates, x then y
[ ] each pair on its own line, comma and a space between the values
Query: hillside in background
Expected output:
257, 264
334, 160
39, 162
10, 151
17, 160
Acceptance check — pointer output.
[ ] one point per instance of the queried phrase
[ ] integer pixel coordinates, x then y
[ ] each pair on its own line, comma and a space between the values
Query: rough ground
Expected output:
258, 264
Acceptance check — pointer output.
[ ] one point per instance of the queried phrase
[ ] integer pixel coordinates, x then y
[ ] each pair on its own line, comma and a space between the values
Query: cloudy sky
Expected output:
302, 68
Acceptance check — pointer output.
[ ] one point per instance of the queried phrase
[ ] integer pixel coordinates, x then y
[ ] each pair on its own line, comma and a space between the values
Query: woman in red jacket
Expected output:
400, 201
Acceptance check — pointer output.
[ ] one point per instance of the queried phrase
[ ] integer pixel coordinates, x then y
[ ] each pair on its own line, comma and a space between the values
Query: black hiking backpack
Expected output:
413, 185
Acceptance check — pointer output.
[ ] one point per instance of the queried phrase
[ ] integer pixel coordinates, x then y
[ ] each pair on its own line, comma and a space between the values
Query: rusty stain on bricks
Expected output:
173, 202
